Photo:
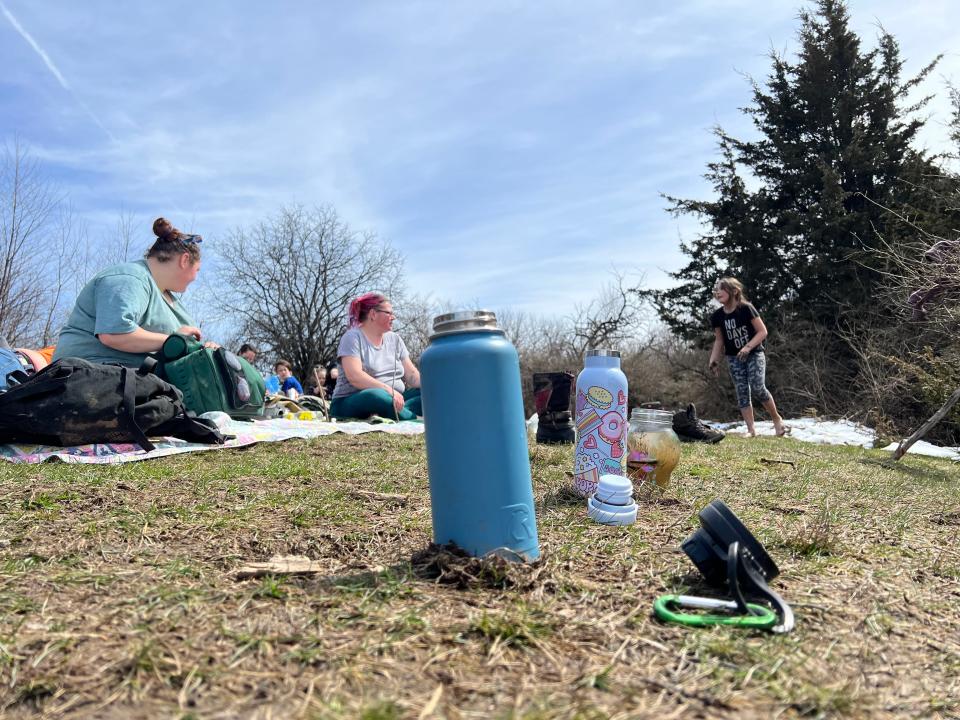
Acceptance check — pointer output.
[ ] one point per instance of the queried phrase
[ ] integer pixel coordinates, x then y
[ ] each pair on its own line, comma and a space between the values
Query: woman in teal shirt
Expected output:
127, 311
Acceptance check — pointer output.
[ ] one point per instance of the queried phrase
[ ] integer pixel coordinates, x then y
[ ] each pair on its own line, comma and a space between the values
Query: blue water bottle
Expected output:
481, 494
601, 420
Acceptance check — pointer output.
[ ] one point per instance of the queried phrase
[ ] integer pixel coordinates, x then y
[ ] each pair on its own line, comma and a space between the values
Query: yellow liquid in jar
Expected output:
652, 456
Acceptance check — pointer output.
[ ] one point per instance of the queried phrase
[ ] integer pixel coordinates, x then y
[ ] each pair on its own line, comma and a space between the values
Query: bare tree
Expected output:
288, 281
67, 246
610, 320
26, 203
415, 322
119, 243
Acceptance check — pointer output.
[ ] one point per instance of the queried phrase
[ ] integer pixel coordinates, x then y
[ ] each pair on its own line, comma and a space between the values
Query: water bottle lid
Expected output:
603, 353
614, 490
464, 321
611, 514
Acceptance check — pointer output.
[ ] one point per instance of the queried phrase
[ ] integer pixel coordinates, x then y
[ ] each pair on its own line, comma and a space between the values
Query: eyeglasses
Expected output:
385, 312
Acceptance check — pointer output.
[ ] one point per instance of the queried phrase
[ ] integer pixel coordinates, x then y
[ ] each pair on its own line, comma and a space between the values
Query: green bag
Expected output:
211, 379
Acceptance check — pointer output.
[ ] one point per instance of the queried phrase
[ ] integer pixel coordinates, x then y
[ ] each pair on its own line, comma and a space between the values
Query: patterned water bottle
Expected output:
601, 420
481, 495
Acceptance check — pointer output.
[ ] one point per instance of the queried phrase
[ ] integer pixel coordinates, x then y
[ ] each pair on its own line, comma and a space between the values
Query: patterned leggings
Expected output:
749, 377
376, 401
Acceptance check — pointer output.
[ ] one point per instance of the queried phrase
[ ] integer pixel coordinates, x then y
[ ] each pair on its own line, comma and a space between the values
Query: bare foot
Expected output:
781, 430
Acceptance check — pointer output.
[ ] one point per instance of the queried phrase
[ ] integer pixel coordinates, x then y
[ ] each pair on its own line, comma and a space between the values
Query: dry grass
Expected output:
117, 596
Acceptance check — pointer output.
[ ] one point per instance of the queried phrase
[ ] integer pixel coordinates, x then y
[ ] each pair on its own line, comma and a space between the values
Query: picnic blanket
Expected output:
247, 433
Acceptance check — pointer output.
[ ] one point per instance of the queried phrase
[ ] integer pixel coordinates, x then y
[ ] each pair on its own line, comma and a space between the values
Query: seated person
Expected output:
374, 363
317, 387
128, 310
288, 382
248, 352
331, 382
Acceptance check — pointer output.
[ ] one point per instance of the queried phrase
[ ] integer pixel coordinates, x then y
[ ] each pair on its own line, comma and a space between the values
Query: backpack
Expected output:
76, 402
210, 379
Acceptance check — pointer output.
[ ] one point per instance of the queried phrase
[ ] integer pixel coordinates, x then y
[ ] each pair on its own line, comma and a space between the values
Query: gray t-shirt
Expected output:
384, 363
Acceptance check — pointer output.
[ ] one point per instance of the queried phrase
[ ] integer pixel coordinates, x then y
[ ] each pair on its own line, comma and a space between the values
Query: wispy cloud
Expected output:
36, 47
54, 70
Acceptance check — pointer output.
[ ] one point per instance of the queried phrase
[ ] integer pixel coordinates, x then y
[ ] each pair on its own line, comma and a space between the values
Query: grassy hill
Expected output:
118, 596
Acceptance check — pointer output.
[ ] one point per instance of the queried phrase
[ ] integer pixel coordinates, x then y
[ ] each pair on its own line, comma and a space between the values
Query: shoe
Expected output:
551, 397
688, 427
555, 428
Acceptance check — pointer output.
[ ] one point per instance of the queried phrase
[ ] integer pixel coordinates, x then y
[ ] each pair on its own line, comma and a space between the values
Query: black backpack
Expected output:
76, 402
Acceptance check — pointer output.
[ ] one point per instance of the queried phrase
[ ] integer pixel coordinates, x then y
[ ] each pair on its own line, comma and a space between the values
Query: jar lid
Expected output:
649, 415
603, 353
464, 321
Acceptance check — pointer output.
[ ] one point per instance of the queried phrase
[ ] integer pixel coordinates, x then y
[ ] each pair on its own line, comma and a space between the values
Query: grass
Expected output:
118, 596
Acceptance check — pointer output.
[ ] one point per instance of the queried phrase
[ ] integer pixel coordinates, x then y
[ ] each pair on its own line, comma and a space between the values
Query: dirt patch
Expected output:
451, 565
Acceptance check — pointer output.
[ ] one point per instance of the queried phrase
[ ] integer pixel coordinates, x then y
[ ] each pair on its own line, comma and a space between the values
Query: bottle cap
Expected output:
611, 514
614, 490
464, 321
603, 353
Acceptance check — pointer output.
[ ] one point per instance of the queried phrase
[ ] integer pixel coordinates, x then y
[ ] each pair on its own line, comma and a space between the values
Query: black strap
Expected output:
129, 410
19, 377
754, 583
148, 365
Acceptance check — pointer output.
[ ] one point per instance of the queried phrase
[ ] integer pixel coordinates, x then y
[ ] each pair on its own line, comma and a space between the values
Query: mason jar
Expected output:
653, 448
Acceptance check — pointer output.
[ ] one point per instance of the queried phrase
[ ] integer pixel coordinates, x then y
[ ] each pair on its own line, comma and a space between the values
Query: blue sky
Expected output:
514, 152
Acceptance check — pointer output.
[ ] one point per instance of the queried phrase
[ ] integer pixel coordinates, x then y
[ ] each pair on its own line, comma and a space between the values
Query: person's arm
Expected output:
120, 303
761, 333
410, 373
716, 352
140, 340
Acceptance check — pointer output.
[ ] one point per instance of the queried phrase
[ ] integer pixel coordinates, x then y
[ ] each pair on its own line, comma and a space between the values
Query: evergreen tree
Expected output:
833, 155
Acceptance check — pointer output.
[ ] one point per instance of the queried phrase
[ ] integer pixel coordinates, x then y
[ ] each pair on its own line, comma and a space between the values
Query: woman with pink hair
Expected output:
377, 376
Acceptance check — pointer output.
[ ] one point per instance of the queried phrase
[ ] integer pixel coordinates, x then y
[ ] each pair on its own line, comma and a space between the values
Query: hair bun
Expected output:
164, 230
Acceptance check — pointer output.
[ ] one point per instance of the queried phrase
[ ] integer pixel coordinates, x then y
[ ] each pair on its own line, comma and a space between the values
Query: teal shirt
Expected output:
118, 300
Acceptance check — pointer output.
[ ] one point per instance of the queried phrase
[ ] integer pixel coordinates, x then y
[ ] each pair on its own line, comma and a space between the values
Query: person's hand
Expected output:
743, 354
190, 330
211, 344
715, 368
397, 401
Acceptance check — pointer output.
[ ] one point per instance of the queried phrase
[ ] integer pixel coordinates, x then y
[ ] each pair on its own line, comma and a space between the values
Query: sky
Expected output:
515, 153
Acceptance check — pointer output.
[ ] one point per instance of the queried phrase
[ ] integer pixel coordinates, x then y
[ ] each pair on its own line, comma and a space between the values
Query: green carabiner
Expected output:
763, 618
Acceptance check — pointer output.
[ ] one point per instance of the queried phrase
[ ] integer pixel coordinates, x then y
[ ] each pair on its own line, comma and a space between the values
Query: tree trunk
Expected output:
926, 427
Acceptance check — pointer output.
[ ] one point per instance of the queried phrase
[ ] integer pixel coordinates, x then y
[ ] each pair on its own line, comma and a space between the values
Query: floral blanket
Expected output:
247, 433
